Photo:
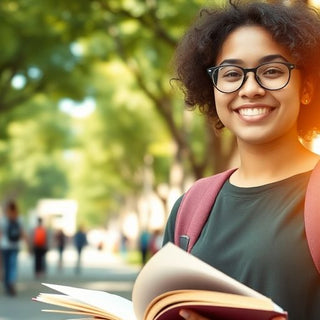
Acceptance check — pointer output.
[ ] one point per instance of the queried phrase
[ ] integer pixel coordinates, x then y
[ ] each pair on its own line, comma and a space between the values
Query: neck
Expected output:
262, 164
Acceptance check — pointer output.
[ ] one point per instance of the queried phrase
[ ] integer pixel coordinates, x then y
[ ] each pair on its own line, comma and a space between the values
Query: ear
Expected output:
307, 91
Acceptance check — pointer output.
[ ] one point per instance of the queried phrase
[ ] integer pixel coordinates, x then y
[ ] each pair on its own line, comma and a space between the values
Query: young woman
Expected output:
254, 68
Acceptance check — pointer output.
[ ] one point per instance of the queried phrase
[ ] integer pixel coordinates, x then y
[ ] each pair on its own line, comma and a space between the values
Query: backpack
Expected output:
40, 237
197, 202
13, 230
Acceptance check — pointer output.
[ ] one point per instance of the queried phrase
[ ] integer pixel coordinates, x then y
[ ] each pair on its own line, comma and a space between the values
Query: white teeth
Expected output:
253, 111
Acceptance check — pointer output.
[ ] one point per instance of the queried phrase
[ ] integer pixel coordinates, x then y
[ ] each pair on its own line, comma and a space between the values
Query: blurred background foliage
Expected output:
87, 110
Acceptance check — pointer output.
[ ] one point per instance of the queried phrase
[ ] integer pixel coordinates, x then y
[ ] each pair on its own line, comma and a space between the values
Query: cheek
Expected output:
292, 105
292, 98
222, 102
295, 89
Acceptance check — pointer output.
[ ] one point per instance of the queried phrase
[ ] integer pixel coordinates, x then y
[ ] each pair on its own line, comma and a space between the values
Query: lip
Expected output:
254, 112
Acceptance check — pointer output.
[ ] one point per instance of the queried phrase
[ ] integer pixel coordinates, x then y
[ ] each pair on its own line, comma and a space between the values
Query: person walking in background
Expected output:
60, 240
11, 233
156, 241
124, 243
144, 246
80, 241
40, 247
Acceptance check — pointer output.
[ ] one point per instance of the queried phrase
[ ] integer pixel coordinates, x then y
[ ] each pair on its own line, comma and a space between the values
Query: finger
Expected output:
191, 315
279, 318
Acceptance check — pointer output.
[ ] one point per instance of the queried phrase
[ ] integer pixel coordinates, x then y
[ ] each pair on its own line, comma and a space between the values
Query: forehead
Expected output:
249, 44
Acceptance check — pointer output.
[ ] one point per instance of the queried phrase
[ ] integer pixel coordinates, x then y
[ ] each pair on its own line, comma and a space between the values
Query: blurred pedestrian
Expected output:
123, 245
144, 246
80, 241
60, 240
40, 247
156, 241
11, 233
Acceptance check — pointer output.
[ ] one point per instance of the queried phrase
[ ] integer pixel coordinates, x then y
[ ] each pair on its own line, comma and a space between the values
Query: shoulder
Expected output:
170, 226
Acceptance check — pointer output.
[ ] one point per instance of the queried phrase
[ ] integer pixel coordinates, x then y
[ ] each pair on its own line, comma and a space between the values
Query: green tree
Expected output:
134, 26
32, 159
119, 53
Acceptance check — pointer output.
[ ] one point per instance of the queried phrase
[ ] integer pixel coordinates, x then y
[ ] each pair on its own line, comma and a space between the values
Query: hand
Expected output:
190, 315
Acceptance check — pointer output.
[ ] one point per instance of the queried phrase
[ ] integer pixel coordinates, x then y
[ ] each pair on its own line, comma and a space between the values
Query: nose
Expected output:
251, 87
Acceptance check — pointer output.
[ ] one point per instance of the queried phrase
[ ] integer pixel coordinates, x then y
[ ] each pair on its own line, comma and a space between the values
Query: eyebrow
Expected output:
268, 58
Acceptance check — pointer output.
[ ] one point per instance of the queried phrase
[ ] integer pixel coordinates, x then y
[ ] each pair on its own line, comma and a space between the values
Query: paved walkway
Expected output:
100, 271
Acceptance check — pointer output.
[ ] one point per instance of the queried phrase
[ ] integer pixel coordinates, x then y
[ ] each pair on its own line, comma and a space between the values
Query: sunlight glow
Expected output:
315, 145
78, 109
18, 81
77, 49
315, 3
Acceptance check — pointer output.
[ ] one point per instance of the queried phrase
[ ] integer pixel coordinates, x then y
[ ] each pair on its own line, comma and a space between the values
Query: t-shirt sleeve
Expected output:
170, 226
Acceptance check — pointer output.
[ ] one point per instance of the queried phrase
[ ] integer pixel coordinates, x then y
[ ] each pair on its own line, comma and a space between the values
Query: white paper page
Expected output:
172, 268
114, 304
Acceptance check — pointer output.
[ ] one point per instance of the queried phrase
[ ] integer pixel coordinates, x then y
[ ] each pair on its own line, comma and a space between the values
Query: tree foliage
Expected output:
118, 53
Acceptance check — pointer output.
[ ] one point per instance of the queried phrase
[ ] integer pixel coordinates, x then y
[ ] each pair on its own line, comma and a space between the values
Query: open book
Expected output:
172, 279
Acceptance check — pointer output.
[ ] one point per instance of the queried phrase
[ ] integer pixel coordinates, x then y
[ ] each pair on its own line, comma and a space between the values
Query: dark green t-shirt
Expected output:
256, 235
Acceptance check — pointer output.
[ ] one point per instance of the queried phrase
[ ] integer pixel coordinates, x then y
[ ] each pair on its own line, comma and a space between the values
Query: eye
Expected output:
230, 73
272, 71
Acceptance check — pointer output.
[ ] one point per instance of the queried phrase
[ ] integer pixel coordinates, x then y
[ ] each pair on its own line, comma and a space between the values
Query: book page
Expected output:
204, 297
213, 301
172, 268
114, 305
218, 312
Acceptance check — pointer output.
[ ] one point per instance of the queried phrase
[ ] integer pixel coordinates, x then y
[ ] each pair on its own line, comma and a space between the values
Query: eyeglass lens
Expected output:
272, 76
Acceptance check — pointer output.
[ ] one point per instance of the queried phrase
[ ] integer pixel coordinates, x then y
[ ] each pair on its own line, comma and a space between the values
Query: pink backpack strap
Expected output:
312, 215
195, 208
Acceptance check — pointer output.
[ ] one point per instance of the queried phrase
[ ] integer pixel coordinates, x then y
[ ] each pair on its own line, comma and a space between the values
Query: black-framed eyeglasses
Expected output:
270, 76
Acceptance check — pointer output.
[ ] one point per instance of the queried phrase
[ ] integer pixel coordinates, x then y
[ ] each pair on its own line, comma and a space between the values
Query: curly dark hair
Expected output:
296, 27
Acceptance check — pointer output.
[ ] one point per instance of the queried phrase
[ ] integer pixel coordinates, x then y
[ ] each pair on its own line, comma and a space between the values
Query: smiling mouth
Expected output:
251, 112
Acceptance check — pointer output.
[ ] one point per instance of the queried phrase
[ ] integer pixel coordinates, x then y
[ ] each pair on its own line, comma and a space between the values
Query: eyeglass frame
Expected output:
289, 65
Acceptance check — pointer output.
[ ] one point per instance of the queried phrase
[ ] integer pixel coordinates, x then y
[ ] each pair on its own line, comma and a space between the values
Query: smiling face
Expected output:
256, 115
